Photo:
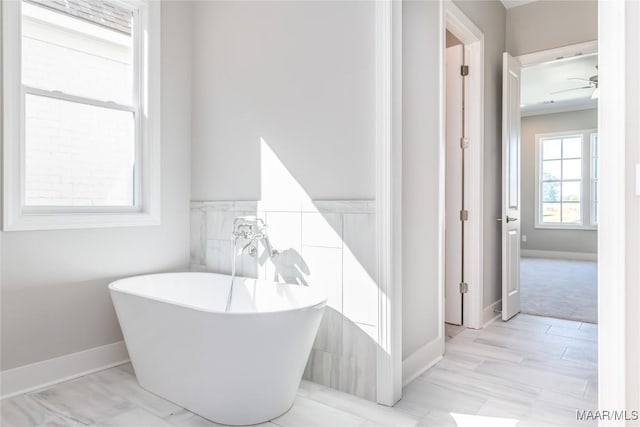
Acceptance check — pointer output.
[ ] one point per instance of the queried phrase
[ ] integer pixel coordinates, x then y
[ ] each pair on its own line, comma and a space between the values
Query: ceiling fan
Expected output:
591, 83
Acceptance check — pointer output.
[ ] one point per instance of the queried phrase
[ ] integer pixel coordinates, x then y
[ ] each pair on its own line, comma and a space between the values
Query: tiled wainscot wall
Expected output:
328, 243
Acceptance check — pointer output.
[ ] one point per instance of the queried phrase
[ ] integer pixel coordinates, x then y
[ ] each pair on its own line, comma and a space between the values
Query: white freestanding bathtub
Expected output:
238, 367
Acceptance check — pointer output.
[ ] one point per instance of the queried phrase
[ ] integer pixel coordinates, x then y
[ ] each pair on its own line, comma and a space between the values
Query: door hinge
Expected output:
464, 287
464, 70
464, 142
464, 215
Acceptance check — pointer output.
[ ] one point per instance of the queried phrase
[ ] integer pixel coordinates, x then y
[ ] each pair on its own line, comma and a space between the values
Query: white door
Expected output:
510, 187
453, 185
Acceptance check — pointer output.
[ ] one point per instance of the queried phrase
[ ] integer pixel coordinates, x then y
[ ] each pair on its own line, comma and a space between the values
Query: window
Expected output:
562, 201
80, 113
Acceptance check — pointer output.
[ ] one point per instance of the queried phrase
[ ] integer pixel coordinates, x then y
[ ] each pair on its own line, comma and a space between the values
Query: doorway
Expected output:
463, 172
559, 121
454, 183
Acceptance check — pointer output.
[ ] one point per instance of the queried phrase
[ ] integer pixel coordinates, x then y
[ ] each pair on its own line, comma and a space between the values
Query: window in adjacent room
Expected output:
567, 180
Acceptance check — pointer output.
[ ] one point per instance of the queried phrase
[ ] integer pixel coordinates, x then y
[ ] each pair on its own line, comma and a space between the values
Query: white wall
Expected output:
544, 239
421, 151
421, 77
489, 17
542, 25
54, 283
298, 74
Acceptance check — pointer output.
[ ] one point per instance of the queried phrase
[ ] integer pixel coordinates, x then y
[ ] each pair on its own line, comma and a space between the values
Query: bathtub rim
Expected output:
113, 284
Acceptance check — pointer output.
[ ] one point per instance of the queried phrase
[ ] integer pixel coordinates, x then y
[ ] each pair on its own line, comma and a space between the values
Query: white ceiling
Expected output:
540, 81
513, 3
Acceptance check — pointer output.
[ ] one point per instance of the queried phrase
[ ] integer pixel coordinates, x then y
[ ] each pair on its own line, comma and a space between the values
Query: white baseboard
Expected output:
52, 371
421, 360
489, 314
578, 256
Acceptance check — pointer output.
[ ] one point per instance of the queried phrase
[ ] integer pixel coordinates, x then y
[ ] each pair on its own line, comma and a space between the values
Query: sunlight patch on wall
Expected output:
319, 247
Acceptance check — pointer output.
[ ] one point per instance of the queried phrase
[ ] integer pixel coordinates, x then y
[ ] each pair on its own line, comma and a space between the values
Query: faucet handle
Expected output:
248, 227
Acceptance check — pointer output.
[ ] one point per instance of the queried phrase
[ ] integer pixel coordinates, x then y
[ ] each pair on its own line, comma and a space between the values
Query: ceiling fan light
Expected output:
595, 94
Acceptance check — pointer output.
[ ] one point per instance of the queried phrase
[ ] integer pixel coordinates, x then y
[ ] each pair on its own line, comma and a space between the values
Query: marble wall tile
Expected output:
285, 229
325, 270
322, 229
324, 368
360, 290
219, 225
289, 266
320, 243
359, 360
359, 234
218, 255
329, 336
219, 259
340, 206
198, 236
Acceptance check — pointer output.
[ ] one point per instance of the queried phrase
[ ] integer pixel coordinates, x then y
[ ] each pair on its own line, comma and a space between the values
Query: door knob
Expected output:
509, 219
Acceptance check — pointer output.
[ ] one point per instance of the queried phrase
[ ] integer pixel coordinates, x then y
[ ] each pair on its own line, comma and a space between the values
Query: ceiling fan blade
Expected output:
575, 88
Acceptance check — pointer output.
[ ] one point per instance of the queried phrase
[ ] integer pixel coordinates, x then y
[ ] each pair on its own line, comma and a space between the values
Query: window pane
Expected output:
572, 169
571, 213
551, 170
571, 191
572, 147
551, 149
594, 191
77, 56
551, 191
551, 212
77, 154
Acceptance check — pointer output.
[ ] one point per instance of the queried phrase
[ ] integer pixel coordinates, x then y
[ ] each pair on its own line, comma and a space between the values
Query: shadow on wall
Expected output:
321, 243
289, 267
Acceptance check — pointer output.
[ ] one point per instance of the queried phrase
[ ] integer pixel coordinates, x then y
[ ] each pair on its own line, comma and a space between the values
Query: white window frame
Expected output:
585, 197
146, 209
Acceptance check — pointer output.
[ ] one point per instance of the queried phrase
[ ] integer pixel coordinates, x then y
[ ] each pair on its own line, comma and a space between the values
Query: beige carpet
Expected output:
559, 288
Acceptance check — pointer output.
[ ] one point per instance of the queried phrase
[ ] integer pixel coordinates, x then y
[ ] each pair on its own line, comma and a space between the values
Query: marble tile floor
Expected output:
530, 371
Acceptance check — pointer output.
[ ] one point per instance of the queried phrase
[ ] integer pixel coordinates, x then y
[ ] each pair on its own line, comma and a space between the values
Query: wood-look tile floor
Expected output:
530, 371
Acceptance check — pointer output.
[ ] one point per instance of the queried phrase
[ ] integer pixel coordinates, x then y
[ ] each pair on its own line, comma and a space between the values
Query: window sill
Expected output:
566, 227
69, 221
